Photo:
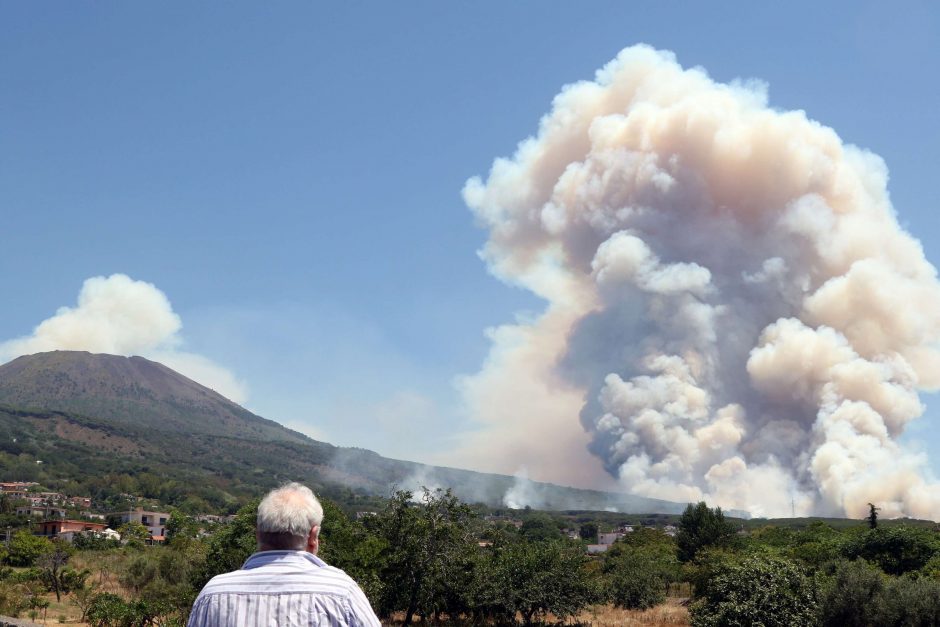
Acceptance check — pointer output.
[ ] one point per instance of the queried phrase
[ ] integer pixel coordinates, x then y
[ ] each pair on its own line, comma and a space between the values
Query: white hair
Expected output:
290, 510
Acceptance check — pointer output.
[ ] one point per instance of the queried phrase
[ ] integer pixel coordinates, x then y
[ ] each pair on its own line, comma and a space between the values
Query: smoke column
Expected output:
730, 299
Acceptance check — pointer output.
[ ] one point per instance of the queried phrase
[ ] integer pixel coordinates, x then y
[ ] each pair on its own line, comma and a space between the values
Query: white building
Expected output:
609, 538
155, 522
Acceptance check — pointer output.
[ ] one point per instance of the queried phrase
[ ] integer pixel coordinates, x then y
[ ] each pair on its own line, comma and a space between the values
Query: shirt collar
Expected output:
262, 558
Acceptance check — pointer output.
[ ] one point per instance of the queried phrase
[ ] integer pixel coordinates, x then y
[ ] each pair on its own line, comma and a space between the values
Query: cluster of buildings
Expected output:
604, 540
53, 507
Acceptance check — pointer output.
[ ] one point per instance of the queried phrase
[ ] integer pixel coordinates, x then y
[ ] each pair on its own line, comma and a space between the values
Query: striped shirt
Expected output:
278, 588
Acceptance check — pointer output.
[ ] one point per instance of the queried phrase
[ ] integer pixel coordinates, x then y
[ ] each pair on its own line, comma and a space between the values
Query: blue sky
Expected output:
289, 173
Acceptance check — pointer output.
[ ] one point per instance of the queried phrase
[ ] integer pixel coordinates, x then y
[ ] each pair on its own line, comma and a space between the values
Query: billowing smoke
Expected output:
121, 316
523, 493
730, 299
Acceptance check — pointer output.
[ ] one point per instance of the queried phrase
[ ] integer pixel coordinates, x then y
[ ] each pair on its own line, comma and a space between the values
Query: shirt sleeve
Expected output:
198, 617
360, 612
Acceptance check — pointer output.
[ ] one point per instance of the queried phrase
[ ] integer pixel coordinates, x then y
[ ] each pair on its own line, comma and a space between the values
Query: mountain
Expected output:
130, 390
119, 424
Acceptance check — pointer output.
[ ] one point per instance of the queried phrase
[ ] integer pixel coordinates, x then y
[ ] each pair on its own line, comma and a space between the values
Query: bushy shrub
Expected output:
533, 579
858, 594
896, 550
13, 598
93, 541
639, 568
759, 591
851, 593
911, 602
635, 582
108, 610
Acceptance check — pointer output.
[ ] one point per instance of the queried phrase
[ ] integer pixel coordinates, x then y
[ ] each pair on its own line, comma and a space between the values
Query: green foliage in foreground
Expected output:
858, 594
759, 590
424, 557
896, 550
640, 568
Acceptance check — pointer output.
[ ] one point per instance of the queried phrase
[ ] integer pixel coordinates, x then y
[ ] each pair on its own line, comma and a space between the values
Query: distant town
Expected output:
57, 515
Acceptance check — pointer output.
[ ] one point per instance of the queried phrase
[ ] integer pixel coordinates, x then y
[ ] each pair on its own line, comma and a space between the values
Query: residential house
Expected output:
597, 548
16, 489
609, 538
66, 529
155, 522
41, 511
79, 501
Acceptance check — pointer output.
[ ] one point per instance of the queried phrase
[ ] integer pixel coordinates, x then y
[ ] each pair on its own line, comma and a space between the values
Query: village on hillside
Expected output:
54, 515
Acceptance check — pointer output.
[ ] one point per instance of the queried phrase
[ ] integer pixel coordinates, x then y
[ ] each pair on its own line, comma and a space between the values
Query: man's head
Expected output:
289, 519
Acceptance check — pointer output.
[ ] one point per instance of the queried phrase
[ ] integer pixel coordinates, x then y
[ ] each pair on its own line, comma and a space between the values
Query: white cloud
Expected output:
120, 316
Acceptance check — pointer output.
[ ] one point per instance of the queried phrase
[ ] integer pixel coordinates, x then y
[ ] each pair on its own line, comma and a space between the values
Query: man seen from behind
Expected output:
284, 583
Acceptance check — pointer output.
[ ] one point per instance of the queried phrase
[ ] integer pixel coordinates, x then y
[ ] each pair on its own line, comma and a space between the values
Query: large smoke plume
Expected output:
733, 309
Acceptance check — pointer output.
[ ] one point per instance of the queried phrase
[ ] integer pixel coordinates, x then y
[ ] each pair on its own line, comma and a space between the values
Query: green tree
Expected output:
108, 610
229, 547
83, 597
640, 567
25, 548
700, 526
13, 598
140, 571
817, 544
851, 594
534, 579
540, 526
896, 550
428, 554
348, 545
181, 527
759, 590
134, 535
872, 516
588, 532
911, 601
52, 564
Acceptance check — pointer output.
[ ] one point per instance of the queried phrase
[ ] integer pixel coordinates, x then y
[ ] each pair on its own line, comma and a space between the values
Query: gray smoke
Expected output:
733, 312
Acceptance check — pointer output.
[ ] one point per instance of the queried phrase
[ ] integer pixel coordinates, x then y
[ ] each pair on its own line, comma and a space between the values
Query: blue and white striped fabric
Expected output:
283, 588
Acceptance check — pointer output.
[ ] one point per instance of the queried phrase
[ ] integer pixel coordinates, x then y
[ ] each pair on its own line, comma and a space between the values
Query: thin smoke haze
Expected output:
733, 311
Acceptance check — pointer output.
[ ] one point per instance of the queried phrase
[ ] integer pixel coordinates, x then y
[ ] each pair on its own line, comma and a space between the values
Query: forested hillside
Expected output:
108, 425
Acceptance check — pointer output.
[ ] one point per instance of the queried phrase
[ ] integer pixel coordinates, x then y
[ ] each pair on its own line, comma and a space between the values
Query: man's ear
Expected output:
313, 540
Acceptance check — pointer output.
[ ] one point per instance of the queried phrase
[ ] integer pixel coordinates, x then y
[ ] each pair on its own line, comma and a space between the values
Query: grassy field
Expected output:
670, 614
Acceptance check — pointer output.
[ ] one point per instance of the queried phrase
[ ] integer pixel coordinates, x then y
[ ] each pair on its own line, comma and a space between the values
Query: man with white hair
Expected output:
284, 583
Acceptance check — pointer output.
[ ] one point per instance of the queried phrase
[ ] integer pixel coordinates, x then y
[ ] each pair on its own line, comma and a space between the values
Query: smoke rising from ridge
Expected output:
121, 316
733, 312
